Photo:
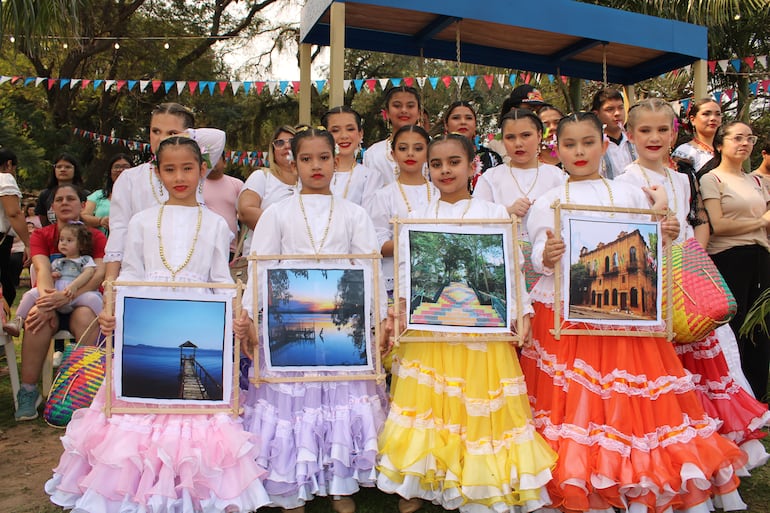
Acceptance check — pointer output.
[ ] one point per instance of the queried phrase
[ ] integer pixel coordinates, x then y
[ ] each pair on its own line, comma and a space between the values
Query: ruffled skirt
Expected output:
316, 438
460, 433
156, 463
742, 417
629, 430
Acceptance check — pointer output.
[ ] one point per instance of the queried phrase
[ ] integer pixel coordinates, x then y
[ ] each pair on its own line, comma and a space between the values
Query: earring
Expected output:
200, 187
336, 149
160, 188
358, 151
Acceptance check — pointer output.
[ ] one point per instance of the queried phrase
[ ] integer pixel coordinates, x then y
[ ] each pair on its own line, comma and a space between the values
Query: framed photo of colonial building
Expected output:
610, 281
612, 271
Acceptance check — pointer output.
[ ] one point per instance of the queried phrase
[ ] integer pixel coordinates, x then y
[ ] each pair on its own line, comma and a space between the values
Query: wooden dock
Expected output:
190, 386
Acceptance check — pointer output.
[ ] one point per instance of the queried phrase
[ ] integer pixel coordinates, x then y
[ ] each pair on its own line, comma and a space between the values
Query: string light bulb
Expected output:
65, 45
117, 46
737, 17
12, 39
166, 45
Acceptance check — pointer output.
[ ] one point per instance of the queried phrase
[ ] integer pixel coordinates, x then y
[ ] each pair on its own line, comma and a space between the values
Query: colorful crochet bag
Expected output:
530, 276
75, 386
702, 300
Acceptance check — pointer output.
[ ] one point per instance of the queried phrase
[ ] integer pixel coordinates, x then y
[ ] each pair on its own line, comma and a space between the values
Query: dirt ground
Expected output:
30, 450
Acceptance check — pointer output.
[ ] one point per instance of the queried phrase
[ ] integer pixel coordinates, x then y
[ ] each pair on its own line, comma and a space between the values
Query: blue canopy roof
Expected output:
553, 36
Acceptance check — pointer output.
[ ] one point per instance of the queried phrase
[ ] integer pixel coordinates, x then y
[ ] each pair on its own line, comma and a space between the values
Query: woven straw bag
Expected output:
75, 386
702, 300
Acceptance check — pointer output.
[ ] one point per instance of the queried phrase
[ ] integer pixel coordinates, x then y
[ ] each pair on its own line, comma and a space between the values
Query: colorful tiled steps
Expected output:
457, 306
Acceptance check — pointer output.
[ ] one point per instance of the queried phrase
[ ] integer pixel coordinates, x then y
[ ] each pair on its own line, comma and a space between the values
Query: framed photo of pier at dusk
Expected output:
317, 319
173, 348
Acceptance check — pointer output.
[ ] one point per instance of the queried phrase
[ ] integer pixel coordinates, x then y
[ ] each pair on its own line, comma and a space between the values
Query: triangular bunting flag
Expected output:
235, 85
512, 79
319, 85
131, 84
459, 80
192, 85
472, 81
85, 83
527, 78
346, 85
168, 84
260, 87
39, 80
4, 79
63, 82
729, 94
685, 107
247, 86
421, 81
295, 86
395, 81
564, 79
749, 62
712, 66
28, 81
74, 83
120, 84
501, 79
447, 81
766, 85
156, 85
753, 88
108, 84
283, 84
433, 81
489, 80
371, 84
222, 86
180, 85
358, 82
384, 83
272, 86
143, 85
51, 82
409, 81
550, 78
763, 61
736, 63
718, 96
15, 79
723, 64
97, 84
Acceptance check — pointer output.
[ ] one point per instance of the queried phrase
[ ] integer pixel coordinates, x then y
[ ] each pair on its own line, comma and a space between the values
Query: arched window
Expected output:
634, 297
614, 297
606, 264
632, 255
593, 297
606, 297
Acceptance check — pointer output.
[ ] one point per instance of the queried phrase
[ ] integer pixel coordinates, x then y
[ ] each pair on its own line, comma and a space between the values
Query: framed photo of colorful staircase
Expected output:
459, 278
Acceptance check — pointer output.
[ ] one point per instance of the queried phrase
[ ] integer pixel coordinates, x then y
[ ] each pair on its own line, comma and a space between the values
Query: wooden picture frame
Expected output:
619, 312
364, 270
507, 232
187, 377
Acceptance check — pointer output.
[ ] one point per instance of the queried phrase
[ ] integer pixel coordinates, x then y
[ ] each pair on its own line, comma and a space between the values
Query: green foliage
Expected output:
757, 317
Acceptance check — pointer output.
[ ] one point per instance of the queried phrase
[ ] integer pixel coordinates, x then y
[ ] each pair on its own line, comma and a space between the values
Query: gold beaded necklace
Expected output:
670, 182
534, 182
604, 181
158, 199
176, 271
307, 225
406, 201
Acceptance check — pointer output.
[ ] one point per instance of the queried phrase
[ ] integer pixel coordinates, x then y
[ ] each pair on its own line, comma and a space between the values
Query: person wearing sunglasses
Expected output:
267, 186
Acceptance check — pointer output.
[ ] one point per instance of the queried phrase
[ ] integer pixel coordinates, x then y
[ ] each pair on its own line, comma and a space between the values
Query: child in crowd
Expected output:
402, 107
609, 107
550, 116
164, 463
523, 178
409, 192
460, 118
317, 438
353, 181
460, 431
74, 269
651, 128
620, 411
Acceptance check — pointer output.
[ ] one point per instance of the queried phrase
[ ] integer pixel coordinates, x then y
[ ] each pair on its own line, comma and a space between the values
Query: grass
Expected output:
755, 490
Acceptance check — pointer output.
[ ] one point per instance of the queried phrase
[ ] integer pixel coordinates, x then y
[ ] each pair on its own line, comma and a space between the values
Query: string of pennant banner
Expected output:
192, 87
